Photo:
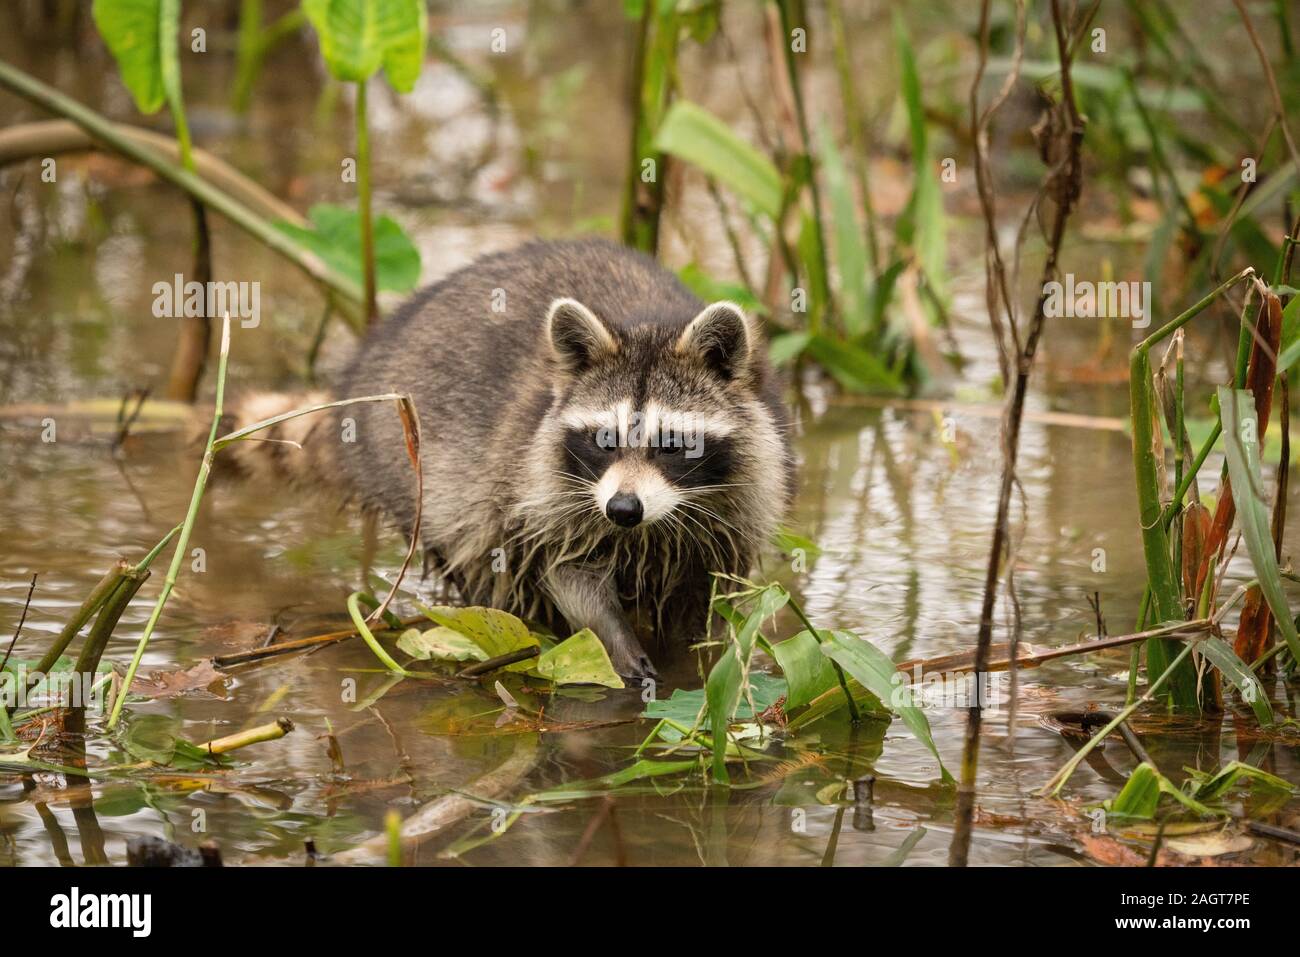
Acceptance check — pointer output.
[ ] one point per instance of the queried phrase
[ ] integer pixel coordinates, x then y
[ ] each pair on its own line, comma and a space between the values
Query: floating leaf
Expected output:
440, 644
495, 632
579, 659
153, 737
683, 707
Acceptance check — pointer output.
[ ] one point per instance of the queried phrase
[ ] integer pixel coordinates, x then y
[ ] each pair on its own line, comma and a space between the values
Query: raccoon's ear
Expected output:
720, 335
578, 338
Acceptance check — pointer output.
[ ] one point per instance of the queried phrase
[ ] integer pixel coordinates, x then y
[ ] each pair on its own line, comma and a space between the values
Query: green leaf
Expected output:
807, 671
141, 35
1290, 350
357, 37
1140, 795
787, 347
1241, 443
787, 542
695, 279
495, 632
847, 240
440, 644
922, 223
691, 133
876, 672
335, 237
153, 737
853, 367
683, 707
579, 659
1209, 787
727, 680
1221, 655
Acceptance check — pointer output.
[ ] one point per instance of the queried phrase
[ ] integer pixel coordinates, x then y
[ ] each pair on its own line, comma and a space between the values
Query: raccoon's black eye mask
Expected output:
708, 460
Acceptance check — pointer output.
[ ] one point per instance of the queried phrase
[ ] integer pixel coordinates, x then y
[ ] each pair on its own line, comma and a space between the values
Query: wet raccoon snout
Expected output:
624, 509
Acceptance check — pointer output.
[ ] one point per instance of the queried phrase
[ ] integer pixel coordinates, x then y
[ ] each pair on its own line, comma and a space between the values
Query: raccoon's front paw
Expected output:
632, 663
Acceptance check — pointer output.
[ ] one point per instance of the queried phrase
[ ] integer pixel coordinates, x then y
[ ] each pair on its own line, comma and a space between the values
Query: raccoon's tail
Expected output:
297, 451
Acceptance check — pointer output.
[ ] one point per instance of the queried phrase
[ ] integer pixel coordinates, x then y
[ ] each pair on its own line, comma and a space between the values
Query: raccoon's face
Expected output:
654, 423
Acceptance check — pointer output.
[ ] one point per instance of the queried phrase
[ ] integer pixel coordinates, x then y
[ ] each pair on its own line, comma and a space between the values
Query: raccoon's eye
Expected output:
670, 445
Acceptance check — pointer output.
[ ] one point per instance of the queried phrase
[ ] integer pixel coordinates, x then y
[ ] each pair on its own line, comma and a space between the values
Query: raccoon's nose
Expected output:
624, 509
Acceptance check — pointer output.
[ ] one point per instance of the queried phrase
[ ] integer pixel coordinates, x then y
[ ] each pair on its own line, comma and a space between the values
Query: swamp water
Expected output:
901, 515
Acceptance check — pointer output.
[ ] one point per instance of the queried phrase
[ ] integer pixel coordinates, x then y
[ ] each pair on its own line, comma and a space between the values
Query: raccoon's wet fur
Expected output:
596, 440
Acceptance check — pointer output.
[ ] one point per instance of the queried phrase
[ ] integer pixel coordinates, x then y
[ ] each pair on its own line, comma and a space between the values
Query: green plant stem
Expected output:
364, 631
104, 131
1178, 463
369, 302
241, 739
182, 543
97, 640
853, 120
1057, 782
805, 144
94, 601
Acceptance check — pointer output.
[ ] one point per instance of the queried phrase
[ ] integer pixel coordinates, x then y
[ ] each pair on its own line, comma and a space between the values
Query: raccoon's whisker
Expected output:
574, 456
744, 536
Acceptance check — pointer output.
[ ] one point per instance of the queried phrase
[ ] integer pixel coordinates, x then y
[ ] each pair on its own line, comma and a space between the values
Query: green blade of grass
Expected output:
1241, 443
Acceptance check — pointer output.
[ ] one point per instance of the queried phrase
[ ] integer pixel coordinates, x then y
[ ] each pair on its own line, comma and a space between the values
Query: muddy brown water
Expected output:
902, 518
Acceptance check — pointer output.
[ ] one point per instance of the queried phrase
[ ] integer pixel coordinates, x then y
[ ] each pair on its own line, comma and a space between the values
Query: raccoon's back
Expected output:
470, 350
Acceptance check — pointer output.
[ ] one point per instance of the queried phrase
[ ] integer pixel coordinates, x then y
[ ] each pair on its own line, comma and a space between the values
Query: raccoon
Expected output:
595, 440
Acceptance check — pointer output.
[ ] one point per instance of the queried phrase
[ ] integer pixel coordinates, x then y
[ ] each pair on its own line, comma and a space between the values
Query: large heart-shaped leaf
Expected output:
494, 631
357, 37
335, 237
142, 35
